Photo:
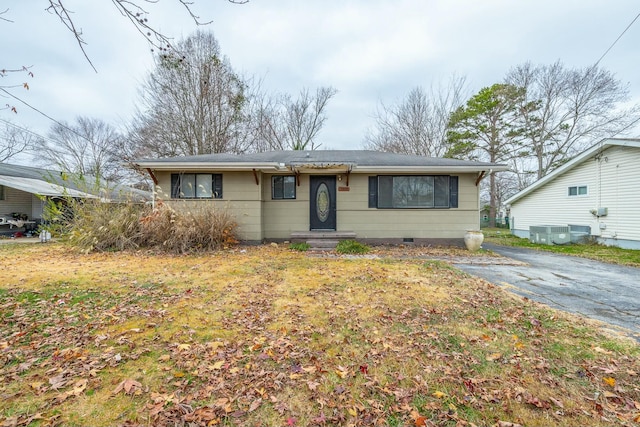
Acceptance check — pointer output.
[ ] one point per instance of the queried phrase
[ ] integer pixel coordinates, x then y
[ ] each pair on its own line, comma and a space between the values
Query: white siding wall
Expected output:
15, 201
620, 182
612, 182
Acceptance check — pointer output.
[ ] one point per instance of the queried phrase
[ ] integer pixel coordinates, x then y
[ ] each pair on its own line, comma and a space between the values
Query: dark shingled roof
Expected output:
357, 157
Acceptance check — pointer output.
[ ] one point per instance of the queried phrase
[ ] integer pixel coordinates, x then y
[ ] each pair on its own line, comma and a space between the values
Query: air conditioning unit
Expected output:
579, 233
549, 234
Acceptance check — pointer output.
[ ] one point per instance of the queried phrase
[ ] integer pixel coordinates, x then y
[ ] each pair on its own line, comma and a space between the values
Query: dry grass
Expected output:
264, 336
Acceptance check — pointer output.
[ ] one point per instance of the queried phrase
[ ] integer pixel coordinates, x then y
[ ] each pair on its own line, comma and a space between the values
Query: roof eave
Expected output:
192, 166
247, 166
580, 158
422, 169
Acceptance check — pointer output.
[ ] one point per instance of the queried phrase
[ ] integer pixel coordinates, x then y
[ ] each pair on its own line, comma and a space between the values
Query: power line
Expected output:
45, 115
616, 41
24, 129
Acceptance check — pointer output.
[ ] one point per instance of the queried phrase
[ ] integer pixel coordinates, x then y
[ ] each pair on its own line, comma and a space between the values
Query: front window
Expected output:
578, 190
196, 186
283, 187
1, 192
407, 192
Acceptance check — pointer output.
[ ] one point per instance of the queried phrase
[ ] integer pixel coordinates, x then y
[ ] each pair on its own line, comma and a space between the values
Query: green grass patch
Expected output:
351, 247
595, 251
300, 247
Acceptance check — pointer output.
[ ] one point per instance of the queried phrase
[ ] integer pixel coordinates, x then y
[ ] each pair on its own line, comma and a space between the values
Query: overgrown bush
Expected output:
92, 225
202, 228
351, 247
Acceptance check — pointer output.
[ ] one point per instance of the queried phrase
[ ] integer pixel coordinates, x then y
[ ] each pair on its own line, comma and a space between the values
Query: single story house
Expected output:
369, 195
596, 190
24, 191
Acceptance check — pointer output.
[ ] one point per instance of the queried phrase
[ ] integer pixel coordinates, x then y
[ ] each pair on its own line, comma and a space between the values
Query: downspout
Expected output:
155, 183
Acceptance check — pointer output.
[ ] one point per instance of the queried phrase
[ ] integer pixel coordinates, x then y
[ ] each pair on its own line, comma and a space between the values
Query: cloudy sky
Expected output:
371, 51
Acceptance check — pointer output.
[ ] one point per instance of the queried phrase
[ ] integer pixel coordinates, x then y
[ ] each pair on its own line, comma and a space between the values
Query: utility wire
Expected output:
29, 131
616, 41
45, 115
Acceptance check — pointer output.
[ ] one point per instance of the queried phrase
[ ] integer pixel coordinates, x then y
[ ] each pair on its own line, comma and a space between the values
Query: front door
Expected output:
323, 202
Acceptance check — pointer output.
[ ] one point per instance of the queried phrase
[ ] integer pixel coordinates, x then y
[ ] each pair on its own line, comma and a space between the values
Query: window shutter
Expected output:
373, 191
453, 191
175, 186
217, 186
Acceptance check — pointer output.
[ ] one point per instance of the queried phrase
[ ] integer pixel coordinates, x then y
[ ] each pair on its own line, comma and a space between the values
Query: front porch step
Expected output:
322, 240
322, 244
320, 235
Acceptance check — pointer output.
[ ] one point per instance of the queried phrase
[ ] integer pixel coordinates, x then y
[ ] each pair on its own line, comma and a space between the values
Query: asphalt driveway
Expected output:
601, 291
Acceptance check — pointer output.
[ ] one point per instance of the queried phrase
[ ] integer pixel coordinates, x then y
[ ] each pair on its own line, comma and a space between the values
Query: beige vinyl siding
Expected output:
16, 201
371, 223
240, 197
612, 181
281, 217
259, 217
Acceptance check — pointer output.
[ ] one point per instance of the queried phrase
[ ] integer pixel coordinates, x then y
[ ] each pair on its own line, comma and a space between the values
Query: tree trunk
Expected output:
492, 200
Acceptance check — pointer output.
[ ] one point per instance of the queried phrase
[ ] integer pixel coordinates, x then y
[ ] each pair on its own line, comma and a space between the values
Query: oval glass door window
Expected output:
322, 202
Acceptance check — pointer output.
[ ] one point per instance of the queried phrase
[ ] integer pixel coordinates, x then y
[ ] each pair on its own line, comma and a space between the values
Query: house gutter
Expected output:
240, 166
422, 169
249, 167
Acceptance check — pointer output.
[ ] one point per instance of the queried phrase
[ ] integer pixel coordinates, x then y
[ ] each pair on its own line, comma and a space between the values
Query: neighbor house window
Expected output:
283, 187
578, 190
413, 191
196, 186
1, 192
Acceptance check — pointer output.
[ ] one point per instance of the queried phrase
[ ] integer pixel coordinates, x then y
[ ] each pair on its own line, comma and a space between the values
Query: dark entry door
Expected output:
323, 202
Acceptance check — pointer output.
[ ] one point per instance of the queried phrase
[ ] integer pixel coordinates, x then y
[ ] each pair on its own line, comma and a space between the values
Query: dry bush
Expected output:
92, 225
202, 228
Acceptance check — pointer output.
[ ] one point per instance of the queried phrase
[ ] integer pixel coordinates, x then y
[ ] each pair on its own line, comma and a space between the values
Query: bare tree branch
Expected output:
134, 11
418, 124
62, 12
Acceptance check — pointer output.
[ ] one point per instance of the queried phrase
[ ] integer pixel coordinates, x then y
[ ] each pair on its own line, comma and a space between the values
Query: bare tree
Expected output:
418, 124
136, 13
565, 110
293, 124
192, 103
15, 140
90, 147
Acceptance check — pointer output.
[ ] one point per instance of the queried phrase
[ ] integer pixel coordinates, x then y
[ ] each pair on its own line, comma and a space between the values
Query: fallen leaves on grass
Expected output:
279, 339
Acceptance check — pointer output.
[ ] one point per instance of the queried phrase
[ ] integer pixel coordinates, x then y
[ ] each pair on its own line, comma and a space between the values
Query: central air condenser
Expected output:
549, 234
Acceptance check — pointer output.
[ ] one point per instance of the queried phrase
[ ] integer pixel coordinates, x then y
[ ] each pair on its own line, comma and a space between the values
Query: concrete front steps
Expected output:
322, 240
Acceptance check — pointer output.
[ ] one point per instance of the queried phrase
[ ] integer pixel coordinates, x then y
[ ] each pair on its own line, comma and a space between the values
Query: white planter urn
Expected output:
473, 239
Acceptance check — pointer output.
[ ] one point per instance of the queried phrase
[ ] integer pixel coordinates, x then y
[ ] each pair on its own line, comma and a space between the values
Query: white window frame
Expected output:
577, 190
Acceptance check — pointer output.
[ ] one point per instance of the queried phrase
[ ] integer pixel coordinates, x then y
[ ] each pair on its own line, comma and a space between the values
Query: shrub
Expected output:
302, 246
351, 247
92, 225
203, 228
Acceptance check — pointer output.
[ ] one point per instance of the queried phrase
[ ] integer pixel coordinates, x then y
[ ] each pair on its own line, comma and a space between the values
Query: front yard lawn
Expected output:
267, 336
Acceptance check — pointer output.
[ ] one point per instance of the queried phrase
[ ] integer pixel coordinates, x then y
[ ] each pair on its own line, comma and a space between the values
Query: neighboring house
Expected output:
368, 195
596, 189
24, 190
